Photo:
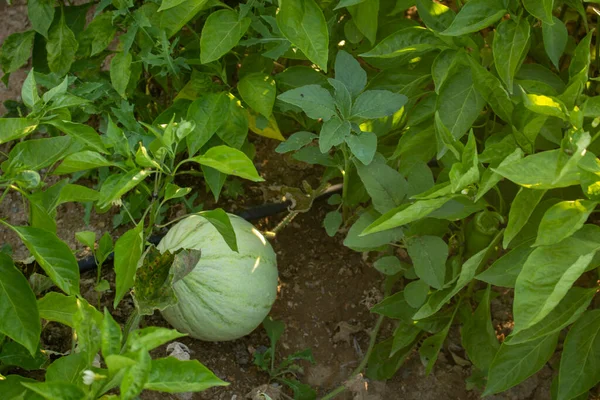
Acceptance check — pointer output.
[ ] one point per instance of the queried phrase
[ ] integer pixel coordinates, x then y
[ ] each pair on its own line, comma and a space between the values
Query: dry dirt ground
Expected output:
325, 287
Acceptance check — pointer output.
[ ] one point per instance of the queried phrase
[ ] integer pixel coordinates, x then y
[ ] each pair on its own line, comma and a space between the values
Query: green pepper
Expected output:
480, 231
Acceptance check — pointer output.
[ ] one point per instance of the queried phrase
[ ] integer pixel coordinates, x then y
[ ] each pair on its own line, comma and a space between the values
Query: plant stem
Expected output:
345, 183
363, 363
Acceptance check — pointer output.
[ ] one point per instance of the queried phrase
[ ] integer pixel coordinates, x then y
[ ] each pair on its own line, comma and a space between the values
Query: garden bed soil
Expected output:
324, 298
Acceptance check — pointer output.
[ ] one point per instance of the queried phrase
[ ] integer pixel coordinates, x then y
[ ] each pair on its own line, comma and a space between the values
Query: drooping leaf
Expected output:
61, 47
229, 161
541, 9
41, 15
509, 47
407, 40
221, 33
386, 186
314, 100
128, 250
475, 15
478, 335
521, 209
562, 220
174, 376
505, 270
16, 50
429, 254
258, 90
555, 39
120, 72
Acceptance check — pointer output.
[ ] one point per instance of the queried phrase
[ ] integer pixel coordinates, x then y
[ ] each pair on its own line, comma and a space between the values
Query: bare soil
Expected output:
325, 294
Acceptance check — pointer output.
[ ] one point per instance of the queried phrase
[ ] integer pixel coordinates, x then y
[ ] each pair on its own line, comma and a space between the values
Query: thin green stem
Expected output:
345, 209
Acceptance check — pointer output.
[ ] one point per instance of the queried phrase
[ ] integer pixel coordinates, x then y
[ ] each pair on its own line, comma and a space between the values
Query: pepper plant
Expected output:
465, 137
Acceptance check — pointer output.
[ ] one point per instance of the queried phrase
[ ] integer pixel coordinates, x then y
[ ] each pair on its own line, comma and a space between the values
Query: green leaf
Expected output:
302, 23
478, 334
549, 273
372, 241
363, 146
474, 16
220, 220
209, 113
100, 33
166, 4
86, 238
396, 307
491, 89
466, 172
436, 16
81, 161
29, 91
429, 254
458, 103
221, 33
136, 376
386, 186
365, 17
404, 215
20, 320
56, 390
350, 73
314, 100
505, 270
16, 50
521, 209
259, 91
87, 324
545, 105
53, 255
388, 265
13, 354
111, 336
407, 40
541, 171
404, 336
128, 251
579, 369
380, 365
430, 348
374, 104
61, 47
84, 134
120, 72
229, 161
173, 191
555, 40
117, 185
509, 48
15, 128
513, 364
347, 3
333, 132
332, 222
171, 375
67, 368
175, 18
416, 293
490, 179
570, 308
41, 15
150, 338
57, 307
343, 99
562, 220
12, 388
541, 9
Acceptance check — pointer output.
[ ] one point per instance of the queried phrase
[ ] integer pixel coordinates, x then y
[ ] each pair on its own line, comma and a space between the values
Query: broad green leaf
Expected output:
429, 254
86, 238
403, 215
478, 335
579, 369
549, 273
407, 40
470, 267
555, 39
220, 220
347, 3
373, 104
302, 23
372, 241
386, 186
120, 72
53, 255
209, 113
173, 191
15, 128
459, 104
513, 364
229, 161
78, 193
562, 220
16, 50
332, 222
41, 15
128, 251
541, 9
136, 376
509, 48
490, 179
61, 47
56, 390
474, 16
13, 354
416, 293
570, 308
465, 172
365, 17
166, 4
174, 376
343, 99
111, 335
20, 320
521, 209
81, 161
57, 307
12, 388
491, 89
540, 171
350, 73
117, 185
175, 18
396, 307
259, 91
388, 265
314, 100
67, 368
84, 134
430, 348
435, 15
545, 105
404, 336
221, 33
301, 75
363, 146
505, 270
100, 33
29, 91
151, 337
333, 132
